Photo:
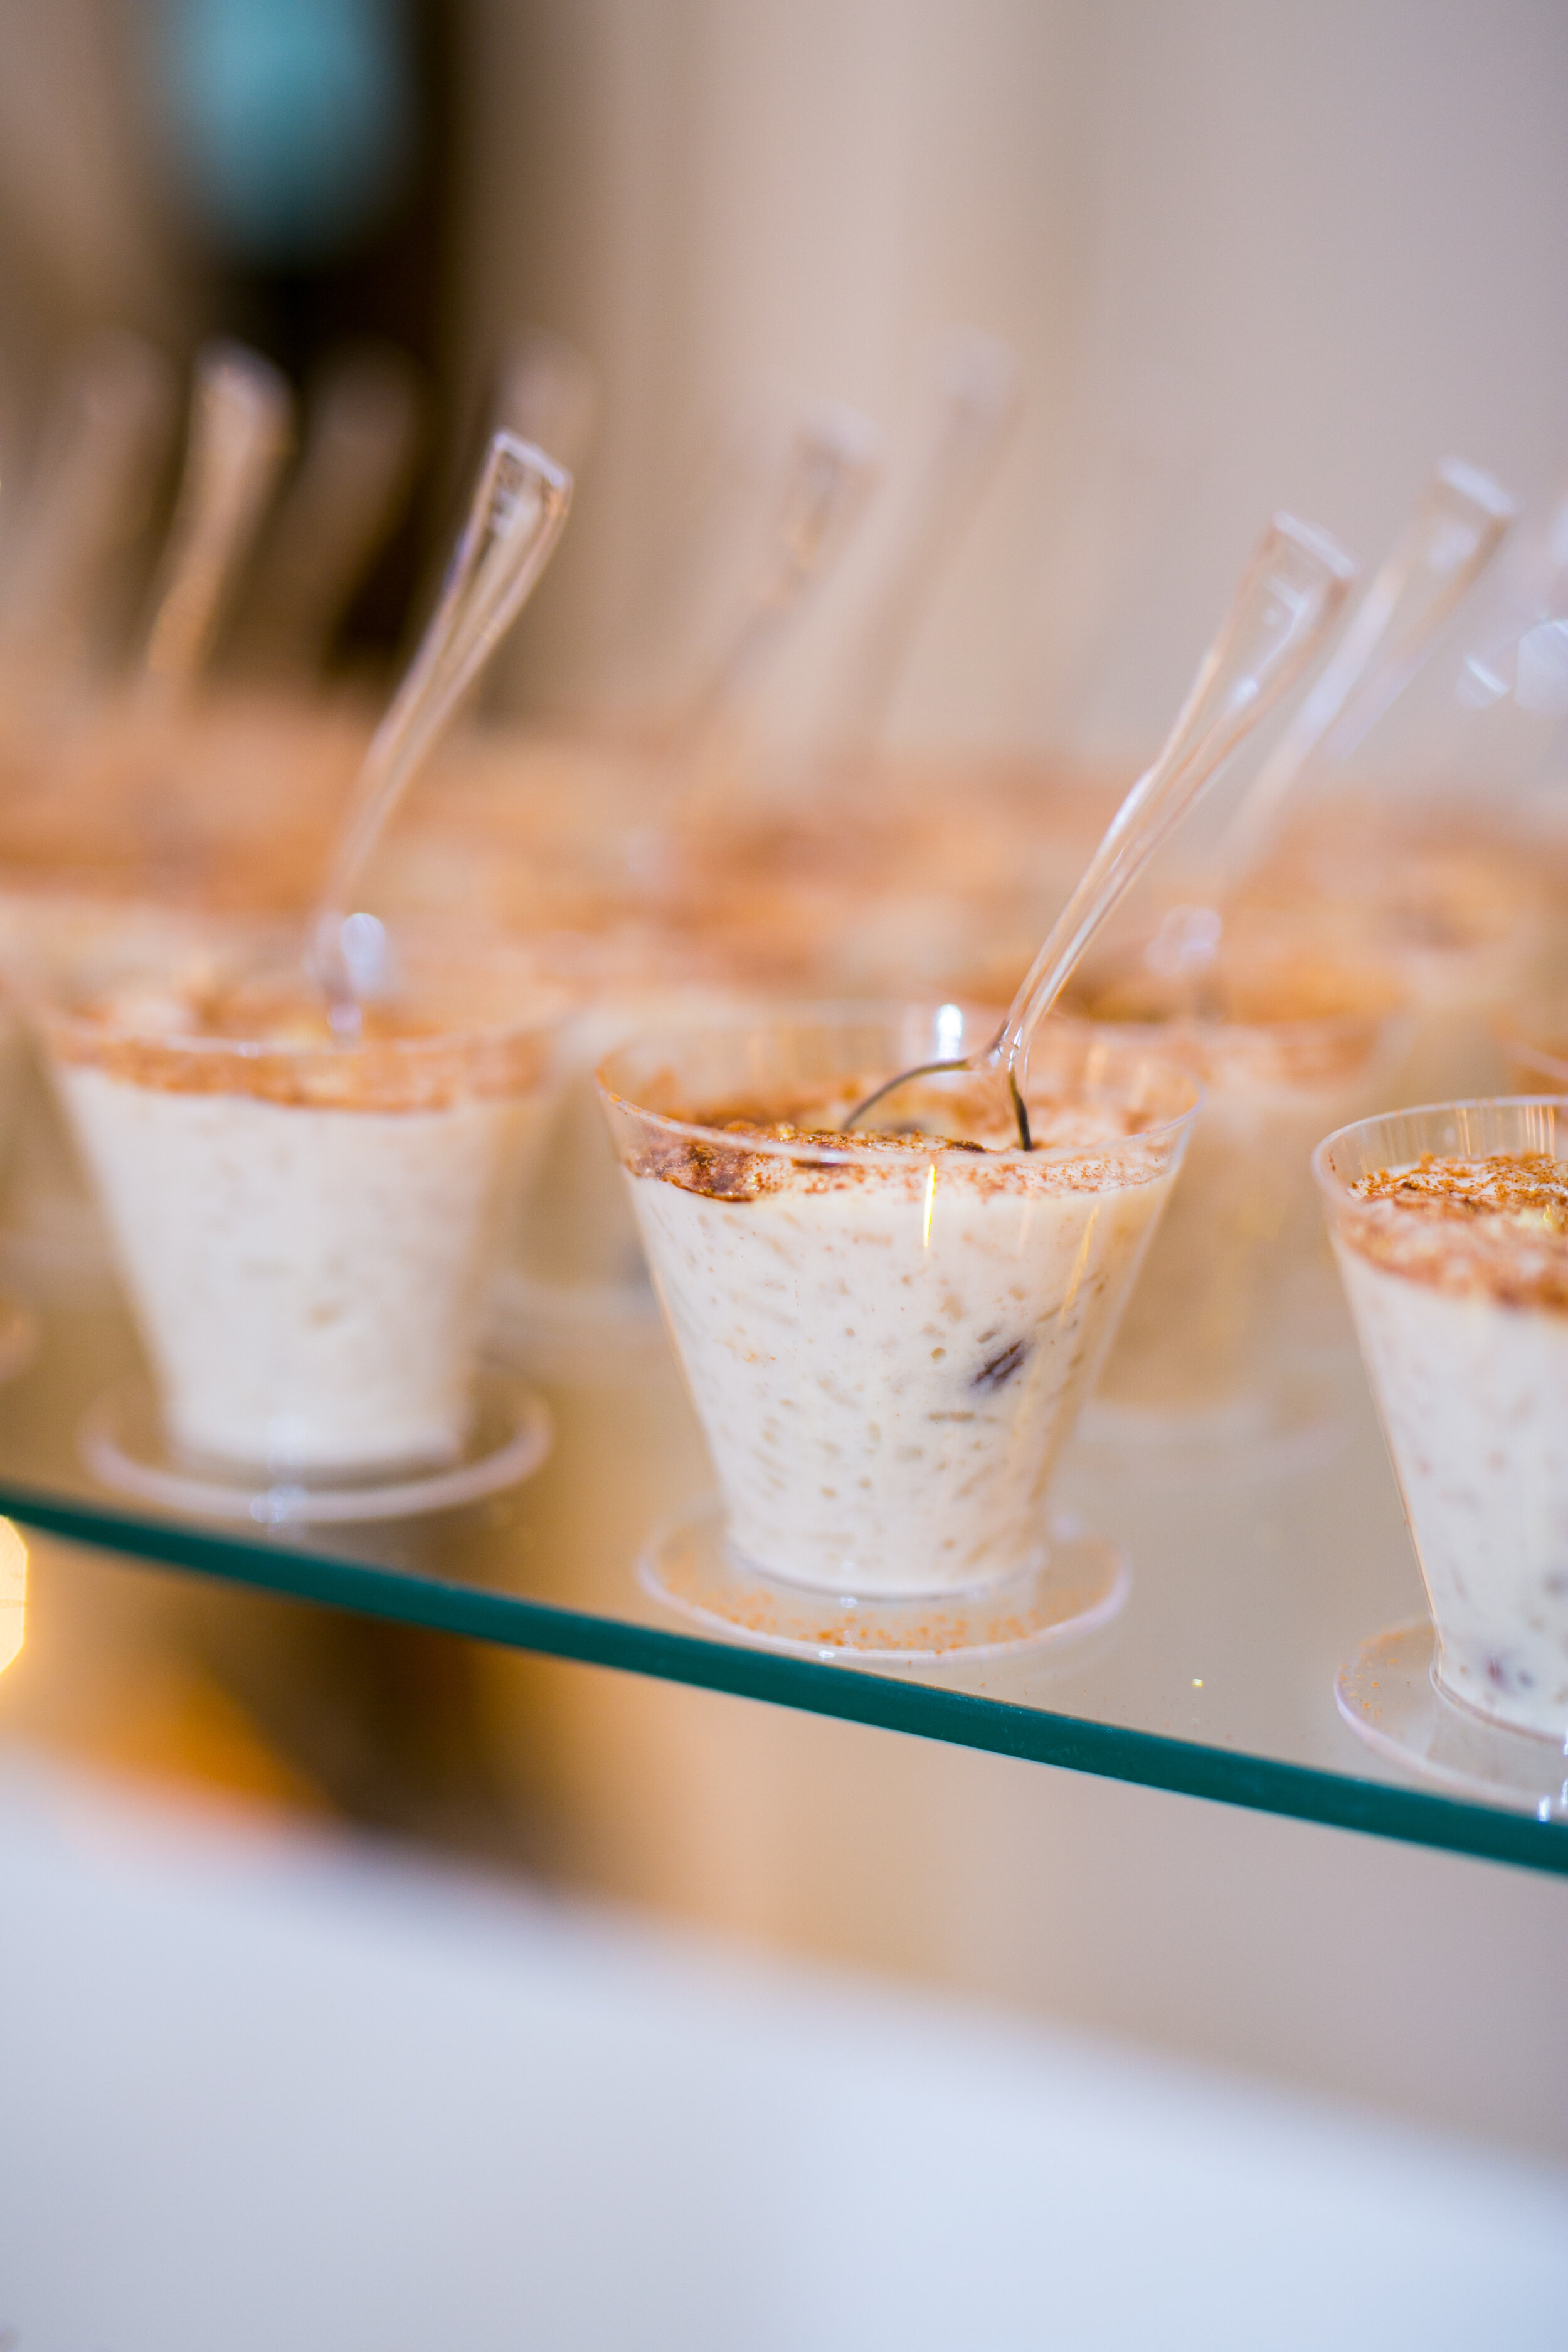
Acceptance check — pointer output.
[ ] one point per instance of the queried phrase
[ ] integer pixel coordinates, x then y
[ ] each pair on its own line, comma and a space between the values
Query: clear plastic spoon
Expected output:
976, 408
832, 469
241, 422
1453, 531
364, 423
518, 511
548, 395
1292, 590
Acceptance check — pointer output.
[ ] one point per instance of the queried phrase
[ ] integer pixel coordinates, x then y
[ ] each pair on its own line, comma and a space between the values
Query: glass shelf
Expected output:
1252, 1580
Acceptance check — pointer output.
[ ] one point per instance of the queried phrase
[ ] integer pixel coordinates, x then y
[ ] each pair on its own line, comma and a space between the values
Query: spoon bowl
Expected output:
1451, 536
518, 511
1288, 599
241, 424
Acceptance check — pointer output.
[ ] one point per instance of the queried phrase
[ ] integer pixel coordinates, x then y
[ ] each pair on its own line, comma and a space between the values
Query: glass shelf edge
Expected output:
885, 1702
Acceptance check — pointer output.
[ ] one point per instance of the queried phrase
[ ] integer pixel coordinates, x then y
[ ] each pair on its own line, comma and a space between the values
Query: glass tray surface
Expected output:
1251, 1586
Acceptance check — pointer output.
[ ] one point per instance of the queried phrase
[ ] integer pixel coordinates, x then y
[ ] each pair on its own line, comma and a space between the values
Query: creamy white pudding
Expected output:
306, 1229
887, 1339
54, 1226
1456, 1271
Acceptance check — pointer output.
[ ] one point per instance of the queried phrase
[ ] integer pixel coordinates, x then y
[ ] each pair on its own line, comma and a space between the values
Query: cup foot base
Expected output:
687, 1565
1387, 1695
122, 1442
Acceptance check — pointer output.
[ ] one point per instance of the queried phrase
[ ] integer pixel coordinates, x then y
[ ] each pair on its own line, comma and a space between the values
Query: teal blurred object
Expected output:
295, 120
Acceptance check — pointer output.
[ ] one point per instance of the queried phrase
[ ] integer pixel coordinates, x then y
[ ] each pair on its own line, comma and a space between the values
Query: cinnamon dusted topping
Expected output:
727, 1172
780, 1131
1298, 1022
261, 1014
1496, 1227
1264, 995
274, 1044
1450, 902
1529, 1183
1071, 1156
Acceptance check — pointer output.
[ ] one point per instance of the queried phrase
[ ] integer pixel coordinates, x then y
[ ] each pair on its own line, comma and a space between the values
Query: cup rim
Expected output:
491, 1055
543, 1010
1389, 1001
844, 1013
328, 1052
1334, 1187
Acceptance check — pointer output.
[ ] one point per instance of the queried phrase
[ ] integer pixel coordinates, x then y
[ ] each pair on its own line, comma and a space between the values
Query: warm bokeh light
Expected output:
13, 1593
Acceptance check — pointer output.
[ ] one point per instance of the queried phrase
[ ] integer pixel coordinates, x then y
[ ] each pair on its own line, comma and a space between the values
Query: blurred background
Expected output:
1243, 262
1245, 256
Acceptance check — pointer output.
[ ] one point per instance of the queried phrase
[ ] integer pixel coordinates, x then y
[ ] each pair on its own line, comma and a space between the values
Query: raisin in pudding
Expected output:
1456, 1263
306, 1228
887, 1337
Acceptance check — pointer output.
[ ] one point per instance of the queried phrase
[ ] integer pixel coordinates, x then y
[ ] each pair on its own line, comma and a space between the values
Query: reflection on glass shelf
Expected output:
1254, 1577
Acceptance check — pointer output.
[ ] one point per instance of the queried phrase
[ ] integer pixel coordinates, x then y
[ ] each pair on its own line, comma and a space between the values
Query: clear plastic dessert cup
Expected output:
1283, 1052
578, 1236
1468, 929
53, 1230
1450, 1225
1466, 926
887, 1339
306, 1228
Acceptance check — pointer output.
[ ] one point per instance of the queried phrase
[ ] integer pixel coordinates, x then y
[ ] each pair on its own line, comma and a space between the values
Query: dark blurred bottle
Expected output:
312, 140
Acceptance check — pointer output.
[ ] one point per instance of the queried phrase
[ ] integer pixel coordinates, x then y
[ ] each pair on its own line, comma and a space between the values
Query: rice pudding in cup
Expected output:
1469, 929
54, 1229
1285, 1046
1466, 926
307, 1229
887, 1337
1450, 1225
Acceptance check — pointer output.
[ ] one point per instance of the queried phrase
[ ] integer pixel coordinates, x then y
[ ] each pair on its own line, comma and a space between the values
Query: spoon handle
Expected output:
548, 395
241, 418
518, 513
977, 407
830, 473
1453, 531
1293, 588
